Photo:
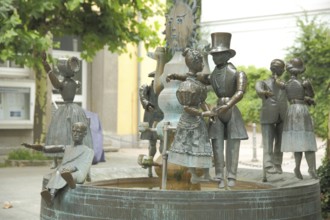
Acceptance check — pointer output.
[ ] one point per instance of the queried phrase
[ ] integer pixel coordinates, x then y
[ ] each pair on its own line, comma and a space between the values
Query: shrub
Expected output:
324, 173
26, 154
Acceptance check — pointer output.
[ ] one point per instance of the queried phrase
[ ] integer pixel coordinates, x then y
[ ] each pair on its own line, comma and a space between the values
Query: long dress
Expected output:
191, 146
60, 128
298, 132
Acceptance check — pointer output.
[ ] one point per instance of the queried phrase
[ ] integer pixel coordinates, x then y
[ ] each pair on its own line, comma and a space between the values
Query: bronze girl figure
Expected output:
298, 132
191, 146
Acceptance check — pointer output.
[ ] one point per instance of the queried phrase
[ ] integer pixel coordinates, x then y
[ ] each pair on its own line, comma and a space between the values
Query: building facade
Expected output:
109, 87
261, 30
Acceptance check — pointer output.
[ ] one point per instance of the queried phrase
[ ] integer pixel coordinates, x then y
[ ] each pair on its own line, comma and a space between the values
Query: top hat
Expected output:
221, 43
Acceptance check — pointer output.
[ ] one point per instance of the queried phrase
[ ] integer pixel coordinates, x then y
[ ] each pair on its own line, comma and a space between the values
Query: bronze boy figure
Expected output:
75, 165
273, 111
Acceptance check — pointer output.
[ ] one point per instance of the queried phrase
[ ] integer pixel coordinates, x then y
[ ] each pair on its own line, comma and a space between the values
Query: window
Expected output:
11, 69
17, 104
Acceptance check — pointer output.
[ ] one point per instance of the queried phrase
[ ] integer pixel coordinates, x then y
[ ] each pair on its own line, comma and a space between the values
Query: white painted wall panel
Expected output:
261, 30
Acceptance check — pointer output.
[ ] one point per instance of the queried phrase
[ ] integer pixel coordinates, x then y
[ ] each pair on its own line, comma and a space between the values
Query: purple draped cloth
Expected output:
97, 136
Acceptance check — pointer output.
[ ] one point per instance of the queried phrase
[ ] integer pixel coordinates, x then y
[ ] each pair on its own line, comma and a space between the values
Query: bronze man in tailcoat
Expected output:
229, 85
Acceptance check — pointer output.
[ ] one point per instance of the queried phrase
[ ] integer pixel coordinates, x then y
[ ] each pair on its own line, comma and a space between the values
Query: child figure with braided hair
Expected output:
191, 146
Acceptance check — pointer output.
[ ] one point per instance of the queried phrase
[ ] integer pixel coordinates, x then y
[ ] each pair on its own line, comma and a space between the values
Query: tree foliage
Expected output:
27, 27
25, 24
250, 105
312, 45
324, 173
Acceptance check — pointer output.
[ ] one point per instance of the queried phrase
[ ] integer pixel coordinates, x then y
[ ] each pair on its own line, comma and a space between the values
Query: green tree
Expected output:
250, 105
27, 27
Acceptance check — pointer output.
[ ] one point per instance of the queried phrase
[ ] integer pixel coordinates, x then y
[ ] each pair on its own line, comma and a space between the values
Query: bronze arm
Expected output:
241, 85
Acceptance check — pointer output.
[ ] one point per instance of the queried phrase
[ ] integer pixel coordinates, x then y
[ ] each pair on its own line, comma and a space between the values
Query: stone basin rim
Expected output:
114, 182
285, 201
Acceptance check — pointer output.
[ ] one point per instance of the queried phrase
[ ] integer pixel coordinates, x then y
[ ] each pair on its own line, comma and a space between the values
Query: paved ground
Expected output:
21, 185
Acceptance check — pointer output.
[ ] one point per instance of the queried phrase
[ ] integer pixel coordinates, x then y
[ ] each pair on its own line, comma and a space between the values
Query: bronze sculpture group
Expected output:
289, 128
67, 114
68, 135
226, 123
196, 143
285, 128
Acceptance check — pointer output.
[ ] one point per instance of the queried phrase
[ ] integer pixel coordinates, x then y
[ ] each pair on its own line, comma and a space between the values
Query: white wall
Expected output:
261, 30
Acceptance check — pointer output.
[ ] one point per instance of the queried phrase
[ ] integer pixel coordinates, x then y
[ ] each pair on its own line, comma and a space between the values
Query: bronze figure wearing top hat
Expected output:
221, 43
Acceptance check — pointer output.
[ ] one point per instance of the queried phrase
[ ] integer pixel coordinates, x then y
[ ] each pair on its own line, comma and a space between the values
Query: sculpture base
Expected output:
283, 197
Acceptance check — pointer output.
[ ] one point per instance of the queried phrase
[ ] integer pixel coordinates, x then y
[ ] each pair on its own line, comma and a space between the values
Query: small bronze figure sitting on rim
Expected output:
75, 164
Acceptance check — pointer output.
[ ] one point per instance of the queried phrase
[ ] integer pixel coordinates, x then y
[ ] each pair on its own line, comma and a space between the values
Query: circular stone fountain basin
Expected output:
283, 197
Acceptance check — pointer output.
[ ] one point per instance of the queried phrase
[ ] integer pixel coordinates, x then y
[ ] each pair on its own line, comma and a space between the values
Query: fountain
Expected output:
140, 198
282, 197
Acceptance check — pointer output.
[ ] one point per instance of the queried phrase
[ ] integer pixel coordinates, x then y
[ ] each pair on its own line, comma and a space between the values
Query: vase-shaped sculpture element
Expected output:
160, 56
180, 33
167, 99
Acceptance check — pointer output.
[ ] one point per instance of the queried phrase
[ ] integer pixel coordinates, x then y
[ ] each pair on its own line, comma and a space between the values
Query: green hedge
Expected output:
324, 174
26, 154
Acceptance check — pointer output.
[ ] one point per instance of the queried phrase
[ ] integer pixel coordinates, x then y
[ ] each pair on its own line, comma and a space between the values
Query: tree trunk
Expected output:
40, 119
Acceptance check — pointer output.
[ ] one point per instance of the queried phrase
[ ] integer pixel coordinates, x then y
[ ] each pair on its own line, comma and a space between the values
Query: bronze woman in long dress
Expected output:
59, 131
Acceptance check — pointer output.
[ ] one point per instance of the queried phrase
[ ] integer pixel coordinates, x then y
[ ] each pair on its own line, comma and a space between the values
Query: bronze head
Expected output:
193, 59
277, 67
295, 66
